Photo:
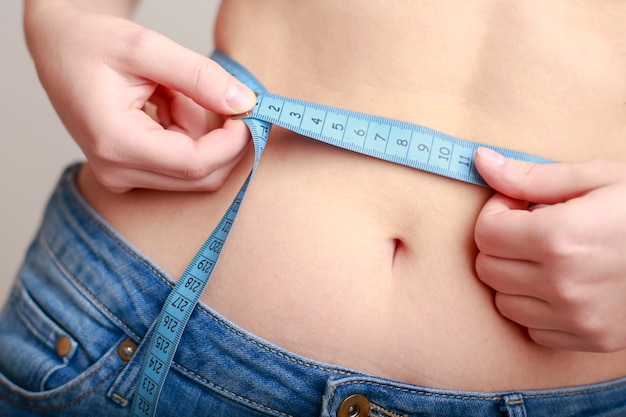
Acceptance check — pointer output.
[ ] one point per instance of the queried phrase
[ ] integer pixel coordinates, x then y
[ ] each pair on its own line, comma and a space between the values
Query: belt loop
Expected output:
514, 405
123, 388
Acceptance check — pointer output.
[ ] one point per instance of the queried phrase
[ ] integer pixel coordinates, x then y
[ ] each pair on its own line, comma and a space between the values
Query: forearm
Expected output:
119, 8
58, 30
41, 17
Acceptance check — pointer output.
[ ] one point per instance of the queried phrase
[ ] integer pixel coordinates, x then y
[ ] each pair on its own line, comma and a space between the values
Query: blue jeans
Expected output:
71, 344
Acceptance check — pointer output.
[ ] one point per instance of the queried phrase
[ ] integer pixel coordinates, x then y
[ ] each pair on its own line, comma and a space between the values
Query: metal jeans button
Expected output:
354, 406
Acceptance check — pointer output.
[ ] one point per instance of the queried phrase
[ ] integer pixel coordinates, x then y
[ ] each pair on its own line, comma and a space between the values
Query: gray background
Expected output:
34, 144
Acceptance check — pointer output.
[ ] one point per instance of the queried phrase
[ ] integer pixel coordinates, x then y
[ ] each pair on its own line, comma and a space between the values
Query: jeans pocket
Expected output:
35, 350
41, 364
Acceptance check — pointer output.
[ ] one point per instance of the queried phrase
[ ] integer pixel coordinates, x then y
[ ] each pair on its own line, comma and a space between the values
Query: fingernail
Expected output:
491, 157
239, 97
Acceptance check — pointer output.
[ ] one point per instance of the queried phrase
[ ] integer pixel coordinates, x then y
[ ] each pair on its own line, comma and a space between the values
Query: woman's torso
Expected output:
366, 264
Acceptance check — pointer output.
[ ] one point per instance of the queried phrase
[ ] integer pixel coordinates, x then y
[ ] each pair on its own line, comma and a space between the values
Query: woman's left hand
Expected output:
558, 264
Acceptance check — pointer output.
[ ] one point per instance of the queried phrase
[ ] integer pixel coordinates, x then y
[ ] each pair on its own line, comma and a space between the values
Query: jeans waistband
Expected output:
129, 289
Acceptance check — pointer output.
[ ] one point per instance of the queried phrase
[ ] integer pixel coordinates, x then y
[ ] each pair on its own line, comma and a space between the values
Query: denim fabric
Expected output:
83, 291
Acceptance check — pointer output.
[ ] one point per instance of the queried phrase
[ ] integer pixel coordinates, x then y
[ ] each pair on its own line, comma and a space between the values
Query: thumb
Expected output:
538, 183
161, 60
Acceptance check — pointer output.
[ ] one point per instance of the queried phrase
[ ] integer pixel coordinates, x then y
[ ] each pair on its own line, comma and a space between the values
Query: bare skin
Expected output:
369, 265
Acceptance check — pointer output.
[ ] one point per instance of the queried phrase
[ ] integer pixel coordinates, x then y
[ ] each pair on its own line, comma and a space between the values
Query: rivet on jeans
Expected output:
127, 349
63, 346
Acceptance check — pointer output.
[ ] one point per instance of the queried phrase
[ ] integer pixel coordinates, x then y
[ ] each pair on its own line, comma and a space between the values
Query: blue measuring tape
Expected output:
390, 140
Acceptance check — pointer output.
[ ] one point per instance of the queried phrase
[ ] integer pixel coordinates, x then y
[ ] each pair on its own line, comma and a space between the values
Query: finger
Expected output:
124, 179
177, 112
512, 277
174, 154
163, 61
505, 229
548, 184
188, 117
529, 312
558, 339
548, 323
158, 108
544, 326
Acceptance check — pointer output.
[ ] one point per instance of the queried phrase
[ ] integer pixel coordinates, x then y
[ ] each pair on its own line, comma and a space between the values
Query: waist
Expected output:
73, 232
355, 262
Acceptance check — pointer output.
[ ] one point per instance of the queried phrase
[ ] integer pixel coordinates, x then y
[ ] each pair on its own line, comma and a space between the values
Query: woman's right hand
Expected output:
101, 70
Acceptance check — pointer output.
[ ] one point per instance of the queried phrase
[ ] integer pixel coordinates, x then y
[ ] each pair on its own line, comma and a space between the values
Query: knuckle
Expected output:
111, 180
205, 176
558, 241
214, 182
138, 39
583, 323
600, 340
195, 171
603, 345
217, 182
594, 331
565, 293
